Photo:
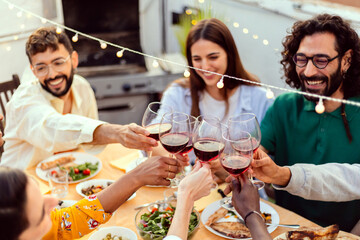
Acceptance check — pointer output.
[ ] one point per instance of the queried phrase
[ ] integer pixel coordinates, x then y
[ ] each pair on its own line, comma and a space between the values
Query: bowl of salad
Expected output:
153, 222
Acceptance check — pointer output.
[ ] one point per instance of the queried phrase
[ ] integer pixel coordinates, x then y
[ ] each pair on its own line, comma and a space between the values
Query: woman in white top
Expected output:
211, 47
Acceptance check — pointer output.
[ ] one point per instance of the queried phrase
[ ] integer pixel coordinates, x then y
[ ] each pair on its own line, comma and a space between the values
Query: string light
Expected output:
75, 38
22, 26
186, 72
58, 30
255, 36
193, 22
120, 53
236, 24
11, 6
269, 93
8, 48
19, 14
188, 11
16, 37
265, 42
201, 1
320, 108
28, 15
155, 64
103, 45
220, 84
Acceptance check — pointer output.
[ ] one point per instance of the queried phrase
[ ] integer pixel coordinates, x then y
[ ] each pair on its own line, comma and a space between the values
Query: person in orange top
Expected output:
26, 214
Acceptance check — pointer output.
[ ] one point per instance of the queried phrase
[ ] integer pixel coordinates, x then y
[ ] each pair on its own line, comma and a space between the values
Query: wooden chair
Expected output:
7, 89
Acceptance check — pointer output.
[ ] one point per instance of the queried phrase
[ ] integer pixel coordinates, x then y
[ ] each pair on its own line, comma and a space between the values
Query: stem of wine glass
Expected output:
149, 154
258, 183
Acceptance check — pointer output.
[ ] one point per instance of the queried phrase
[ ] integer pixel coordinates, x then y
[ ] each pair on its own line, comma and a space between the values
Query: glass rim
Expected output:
160, 103
253, 116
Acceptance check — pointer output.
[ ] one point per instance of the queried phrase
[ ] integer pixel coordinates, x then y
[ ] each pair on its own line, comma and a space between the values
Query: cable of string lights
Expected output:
103, 44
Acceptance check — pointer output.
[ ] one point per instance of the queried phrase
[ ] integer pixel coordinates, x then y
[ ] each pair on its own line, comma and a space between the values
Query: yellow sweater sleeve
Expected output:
77, 220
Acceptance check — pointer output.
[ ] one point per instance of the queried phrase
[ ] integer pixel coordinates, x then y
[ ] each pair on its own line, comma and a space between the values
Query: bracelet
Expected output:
256, 212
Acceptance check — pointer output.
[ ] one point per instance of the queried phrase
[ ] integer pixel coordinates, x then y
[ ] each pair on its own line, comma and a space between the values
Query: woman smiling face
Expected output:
38, 210
211, 57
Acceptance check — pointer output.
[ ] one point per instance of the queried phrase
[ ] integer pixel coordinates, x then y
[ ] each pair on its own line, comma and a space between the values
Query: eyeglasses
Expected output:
319, 60
57, 65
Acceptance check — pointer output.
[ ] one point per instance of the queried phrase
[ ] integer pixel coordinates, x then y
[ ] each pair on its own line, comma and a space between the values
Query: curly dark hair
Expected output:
13, 219
346, 38
44, 38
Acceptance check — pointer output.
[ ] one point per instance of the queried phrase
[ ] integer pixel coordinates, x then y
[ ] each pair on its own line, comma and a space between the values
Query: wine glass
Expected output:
152, 117
246, 122
193, 124
176, 138
207, 140
236, 156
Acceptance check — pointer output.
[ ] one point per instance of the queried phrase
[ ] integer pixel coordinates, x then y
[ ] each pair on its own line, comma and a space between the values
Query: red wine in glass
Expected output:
174, 142
187, 149
155, 130
235, 164
207, 149
245, 147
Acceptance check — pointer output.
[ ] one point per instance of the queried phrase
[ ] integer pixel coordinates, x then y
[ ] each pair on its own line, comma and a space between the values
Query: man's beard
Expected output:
334, 81
67, 87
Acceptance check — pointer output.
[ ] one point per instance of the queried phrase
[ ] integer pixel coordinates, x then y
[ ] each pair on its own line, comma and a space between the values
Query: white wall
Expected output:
254, 15
13, 58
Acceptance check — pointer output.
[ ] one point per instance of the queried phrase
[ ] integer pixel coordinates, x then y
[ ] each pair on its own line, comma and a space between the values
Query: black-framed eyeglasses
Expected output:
58, 65
319, 60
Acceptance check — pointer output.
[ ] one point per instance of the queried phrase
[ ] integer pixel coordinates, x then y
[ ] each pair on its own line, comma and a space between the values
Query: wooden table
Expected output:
125, 215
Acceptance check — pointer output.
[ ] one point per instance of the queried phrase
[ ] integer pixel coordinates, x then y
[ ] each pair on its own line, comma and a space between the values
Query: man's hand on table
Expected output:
130, 136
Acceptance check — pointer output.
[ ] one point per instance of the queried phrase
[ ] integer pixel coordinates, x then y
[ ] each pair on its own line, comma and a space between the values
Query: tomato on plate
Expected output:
86, 171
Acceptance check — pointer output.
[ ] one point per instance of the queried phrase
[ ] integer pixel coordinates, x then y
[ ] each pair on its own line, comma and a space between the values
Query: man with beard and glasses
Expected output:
58, 111
320, 56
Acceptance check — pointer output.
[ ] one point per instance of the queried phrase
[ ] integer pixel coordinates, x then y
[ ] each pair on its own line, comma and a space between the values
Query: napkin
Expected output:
202, 203
124, 162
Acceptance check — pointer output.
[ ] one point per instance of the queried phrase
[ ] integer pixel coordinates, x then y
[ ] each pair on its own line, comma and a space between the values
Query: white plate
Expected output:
209, 210
80, 158
119, 231
66, 203
96, 182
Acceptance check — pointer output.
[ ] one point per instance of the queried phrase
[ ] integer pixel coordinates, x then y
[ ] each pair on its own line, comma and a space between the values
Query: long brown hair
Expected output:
217, 32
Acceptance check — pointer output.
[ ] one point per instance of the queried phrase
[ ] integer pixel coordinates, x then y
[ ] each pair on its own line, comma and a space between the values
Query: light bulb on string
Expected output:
320, 108
220, 83
11, 6
22, 26
75, 38
43, 20
8, 48
186, 73
58, 30
19, 14
120, 53
269, 93
155, 64
16, 37
28, 15
103, 45
236, 24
